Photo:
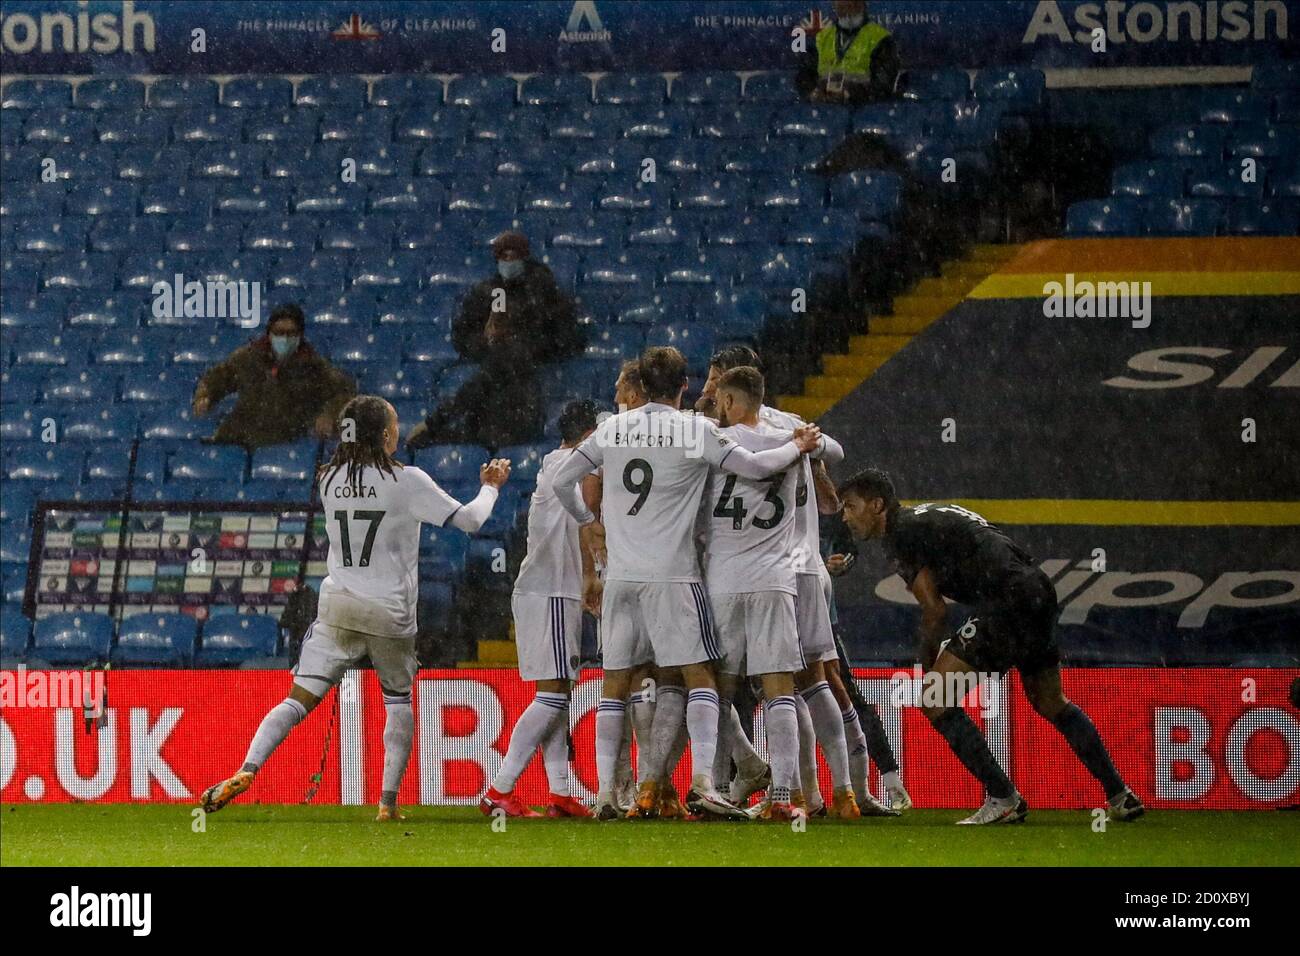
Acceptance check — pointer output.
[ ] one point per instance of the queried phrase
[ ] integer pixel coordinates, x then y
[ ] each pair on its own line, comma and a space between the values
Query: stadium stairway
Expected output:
912, 312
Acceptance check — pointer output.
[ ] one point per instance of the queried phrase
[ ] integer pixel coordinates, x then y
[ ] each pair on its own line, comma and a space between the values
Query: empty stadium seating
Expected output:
1230, 172
239, 180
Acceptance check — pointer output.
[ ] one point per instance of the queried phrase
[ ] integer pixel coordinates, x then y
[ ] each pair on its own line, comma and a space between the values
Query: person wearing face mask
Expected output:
511, 324
286, 389
851, 61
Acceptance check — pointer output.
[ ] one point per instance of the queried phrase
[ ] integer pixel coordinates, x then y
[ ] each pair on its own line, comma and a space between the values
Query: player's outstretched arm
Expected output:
469, 518
762, 464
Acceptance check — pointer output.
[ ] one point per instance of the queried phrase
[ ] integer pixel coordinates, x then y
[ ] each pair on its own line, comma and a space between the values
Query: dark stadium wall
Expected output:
343, 36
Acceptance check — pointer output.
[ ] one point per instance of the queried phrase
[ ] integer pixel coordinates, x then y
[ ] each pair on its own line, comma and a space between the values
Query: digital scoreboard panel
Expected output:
200, 559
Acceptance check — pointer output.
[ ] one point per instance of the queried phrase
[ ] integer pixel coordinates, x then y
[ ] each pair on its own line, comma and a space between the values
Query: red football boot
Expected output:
565, 807
510, 803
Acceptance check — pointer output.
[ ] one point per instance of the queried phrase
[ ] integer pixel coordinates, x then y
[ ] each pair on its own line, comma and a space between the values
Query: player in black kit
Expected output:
944, 550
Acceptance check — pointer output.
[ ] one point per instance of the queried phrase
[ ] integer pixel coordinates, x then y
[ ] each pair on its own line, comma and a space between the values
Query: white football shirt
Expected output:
553, 564
751, 523
807, 529
656, 464
374, 535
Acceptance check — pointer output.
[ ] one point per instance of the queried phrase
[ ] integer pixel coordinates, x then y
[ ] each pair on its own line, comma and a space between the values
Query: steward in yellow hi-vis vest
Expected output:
849, 61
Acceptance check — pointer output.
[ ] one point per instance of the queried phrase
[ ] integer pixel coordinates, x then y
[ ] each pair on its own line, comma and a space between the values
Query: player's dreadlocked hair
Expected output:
873, 483
369, 417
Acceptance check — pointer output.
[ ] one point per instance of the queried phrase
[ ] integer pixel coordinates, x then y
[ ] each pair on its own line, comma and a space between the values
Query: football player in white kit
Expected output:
656, 464
820, 715
374, 507
547, 608
750, 575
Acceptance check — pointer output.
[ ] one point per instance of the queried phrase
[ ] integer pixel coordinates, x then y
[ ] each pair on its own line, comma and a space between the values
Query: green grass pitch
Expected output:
266, 835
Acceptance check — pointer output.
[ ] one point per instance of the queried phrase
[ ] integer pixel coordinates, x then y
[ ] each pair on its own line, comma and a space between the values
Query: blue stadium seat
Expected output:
183, 93
110, 93
21, 94
50, 236
707, 88
771, 88
709, 193
38, 200
295, 163
181, 200
20, 385
372, 128
1162, 179
482, 92
429, 123
1233, 106
175, 425
121, 235
403, 90
551, 90
631, 89
296, 462
151, 163
111, 464
39, 347
825, 123
118, 315
947, 85
525, 462
423, 197
372, 235
606, 268
257, 93
1223, 185
151, 385
1021, 89
1180, 141
1184, 217
207, 125
409, 383
410, 307
78, 162
291, 127
136, 128
1253, 218
234, 639
228, 161
15, 631
1264, 142
207, 463
213, 236
787, 195
452, 464
1286, 107
18, 423
1285, 184
72, 386
158, 640
834, 228
615, 342
873, 194
109, 423
280, 235
73, 637
70, 127
207, 348
694, 340
577, 196
333, 92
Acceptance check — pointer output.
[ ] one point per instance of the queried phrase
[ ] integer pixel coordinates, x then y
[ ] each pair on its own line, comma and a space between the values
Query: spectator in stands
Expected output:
512, 324
851, 61
287, 390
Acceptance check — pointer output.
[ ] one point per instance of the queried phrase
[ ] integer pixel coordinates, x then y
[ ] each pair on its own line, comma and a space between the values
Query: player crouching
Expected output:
547, 608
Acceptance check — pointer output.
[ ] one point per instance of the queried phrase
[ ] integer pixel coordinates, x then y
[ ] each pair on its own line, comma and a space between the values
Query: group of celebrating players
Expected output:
694, 538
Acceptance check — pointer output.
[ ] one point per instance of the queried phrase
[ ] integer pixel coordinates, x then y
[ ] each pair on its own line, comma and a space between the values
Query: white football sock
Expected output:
533, 726
399, 731
808, 782
643, 719
670, 706
702, 725
609, 737
623, 769
742, 751
857, 744
275, 726
783, 746
828, 723
555, 754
